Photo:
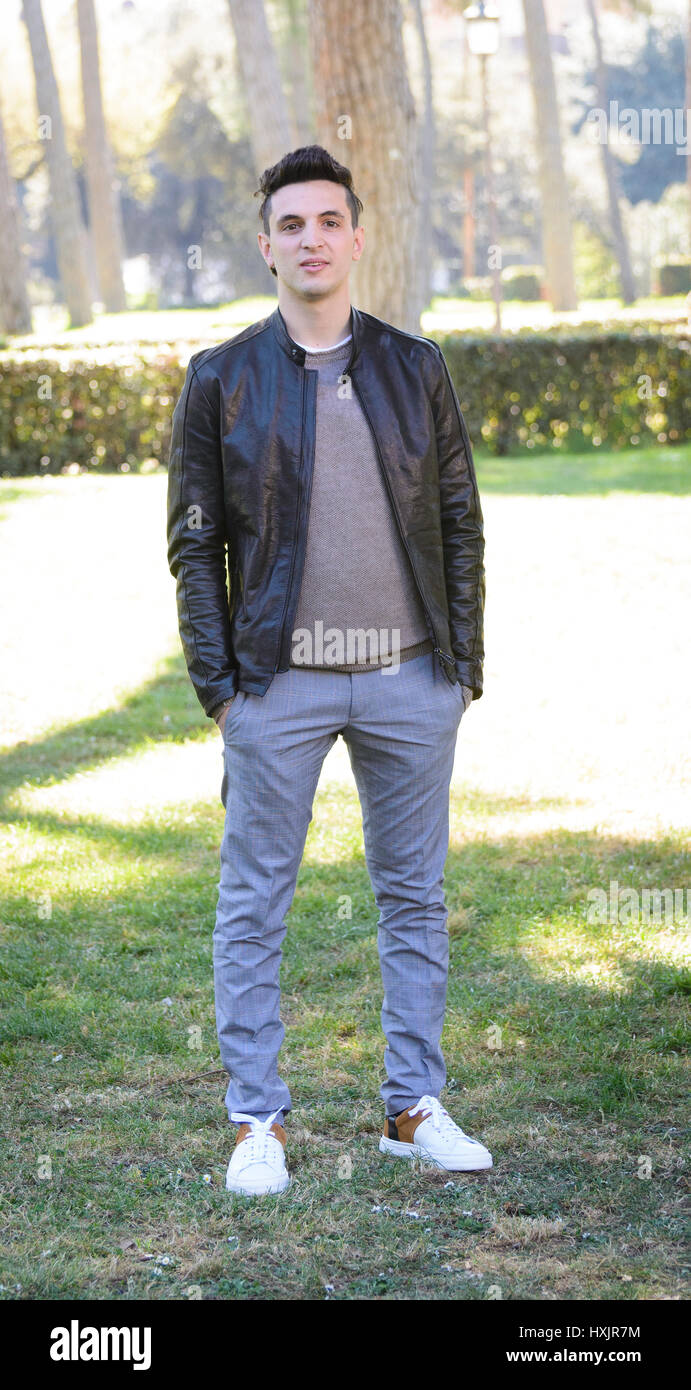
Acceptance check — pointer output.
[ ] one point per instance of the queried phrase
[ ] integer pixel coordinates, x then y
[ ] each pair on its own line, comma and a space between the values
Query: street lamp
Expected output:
482, 21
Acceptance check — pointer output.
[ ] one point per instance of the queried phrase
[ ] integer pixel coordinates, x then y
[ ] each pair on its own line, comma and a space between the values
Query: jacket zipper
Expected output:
297, 525
443, 656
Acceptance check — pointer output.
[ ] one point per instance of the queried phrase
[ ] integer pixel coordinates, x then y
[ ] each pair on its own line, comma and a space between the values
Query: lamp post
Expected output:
482, 22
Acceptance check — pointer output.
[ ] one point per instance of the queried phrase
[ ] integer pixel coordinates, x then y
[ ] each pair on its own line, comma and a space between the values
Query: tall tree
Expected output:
621, 245
554, 198
688, 115
271, 130
363, 98
298, 50
468, 221
68, 227
427, 162
104, 201
15, 314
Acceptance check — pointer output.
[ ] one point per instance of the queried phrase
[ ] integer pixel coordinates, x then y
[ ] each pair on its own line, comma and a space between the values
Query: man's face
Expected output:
312, 242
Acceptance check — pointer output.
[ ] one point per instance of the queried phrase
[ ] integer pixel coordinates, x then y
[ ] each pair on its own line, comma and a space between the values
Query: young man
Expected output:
321, 465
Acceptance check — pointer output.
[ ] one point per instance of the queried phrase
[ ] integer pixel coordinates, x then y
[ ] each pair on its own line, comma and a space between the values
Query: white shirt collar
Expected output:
312, 350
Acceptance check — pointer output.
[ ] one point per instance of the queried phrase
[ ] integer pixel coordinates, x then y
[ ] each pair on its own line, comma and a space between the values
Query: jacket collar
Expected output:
298, 354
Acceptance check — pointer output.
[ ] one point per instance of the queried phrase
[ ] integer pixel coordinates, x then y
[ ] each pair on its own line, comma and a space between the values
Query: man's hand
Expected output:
223, 713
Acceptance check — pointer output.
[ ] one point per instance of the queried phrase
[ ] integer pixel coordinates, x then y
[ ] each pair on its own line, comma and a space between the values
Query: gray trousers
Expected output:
400, 730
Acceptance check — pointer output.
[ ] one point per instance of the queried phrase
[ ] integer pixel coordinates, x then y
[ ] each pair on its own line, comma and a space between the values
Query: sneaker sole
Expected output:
395, 1148
261, 1190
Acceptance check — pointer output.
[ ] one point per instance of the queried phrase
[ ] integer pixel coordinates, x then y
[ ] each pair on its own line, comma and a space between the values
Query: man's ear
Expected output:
270, 263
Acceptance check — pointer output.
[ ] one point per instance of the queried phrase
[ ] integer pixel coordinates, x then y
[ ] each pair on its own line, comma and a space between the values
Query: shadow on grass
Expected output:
521, 954
517, 916
101, 1001
162, 710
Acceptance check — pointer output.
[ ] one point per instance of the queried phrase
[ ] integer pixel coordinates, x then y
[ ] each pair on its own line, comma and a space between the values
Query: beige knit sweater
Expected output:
357, 574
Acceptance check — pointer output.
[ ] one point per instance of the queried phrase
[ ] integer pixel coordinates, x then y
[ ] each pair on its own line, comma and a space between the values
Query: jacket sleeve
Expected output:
197, 543
462, 531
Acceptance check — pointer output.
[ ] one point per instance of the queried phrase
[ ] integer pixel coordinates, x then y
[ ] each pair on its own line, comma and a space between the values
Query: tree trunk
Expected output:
427, 168
15, 314
688, 117
360, 77
296, 43
556, 220
468, 222
104, 201
271, 134
68, 228
621, 245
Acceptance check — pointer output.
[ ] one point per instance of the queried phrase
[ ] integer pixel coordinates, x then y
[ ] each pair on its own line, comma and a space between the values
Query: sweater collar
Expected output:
298, 353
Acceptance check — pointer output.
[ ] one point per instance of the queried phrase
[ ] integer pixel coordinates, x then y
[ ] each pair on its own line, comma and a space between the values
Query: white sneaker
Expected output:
258, 1164
427, 1131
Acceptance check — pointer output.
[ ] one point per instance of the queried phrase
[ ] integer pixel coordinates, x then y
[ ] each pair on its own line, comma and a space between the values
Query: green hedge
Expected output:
674, 277
572, 391
110, 409
522, 282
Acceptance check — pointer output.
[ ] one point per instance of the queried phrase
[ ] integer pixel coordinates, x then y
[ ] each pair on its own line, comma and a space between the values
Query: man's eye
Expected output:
331, 222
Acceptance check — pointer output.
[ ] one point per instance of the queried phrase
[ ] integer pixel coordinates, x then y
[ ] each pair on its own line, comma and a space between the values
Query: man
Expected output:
320, 464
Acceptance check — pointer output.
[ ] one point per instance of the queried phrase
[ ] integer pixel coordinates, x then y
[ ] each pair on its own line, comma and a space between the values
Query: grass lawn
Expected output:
593, 474
445, 314
564, 1037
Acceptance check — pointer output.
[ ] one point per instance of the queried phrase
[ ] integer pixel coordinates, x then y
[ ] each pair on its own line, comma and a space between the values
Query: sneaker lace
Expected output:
259, 1135
440, 1117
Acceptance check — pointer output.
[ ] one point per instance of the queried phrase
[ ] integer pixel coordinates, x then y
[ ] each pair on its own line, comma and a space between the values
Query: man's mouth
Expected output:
313, 265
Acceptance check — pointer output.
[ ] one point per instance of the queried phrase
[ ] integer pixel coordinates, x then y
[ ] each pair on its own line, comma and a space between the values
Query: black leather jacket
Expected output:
240, 474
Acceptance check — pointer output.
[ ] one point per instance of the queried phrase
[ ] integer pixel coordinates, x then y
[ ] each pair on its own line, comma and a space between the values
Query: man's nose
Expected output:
311, 236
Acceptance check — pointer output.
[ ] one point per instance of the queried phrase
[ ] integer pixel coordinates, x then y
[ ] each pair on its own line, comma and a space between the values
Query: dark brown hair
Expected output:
309, 162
